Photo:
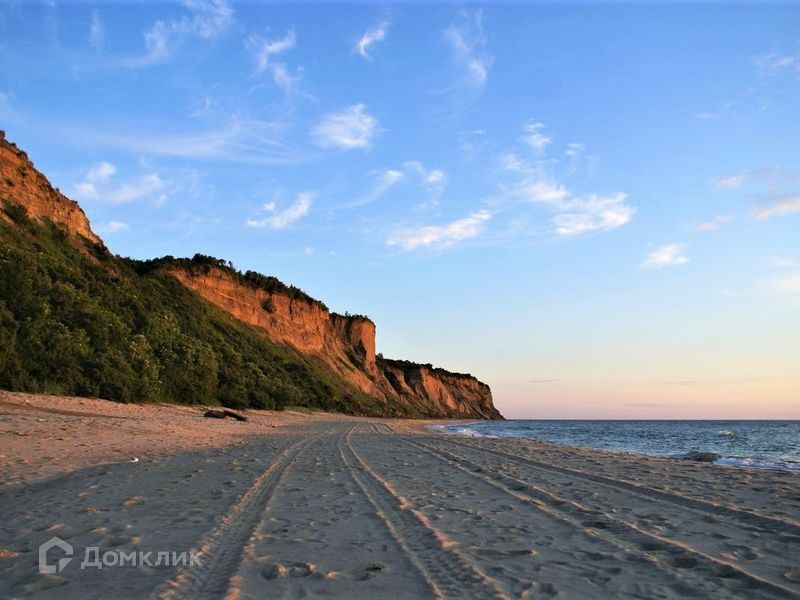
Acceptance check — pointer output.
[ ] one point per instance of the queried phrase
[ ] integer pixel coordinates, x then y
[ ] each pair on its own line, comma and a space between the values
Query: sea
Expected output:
752, 444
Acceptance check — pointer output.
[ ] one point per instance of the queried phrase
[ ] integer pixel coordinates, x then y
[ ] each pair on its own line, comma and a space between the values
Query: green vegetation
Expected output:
80, 321
407, 365
201, 264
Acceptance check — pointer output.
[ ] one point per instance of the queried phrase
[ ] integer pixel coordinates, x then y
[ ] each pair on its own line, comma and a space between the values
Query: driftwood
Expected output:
224, 413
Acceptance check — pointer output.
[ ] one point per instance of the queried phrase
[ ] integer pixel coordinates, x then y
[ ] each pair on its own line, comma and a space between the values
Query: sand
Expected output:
290, 505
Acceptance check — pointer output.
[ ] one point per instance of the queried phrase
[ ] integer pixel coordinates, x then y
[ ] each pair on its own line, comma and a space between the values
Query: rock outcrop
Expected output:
22, 184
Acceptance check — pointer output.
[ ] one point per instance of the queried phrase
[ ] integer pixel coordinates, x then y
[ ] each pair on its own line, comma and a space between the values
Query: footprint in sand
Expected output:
288, 569
370, 571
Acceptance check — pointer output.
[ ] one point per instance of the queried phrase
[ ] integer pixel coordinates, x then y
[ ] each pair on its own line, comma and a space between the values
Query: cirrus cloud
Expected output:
441, 236
280, 219
468, 45
350, 128
671, 255
370, 38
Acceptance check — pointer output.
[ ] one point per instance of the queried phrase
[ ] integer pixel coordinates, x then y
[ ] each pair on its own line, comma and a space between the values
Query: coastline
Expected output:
723, 442
291, 504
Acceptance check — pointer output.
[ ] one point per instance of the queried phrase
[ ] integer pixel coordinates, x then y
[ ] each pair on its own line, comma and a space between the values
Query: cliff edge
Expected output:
338, 351
22, 184
345, 343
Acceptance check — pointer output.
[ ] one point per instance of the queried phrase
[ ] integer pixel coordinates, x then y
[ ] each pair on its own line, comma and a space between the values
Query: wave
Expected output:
762, 445
755, 463
464, 430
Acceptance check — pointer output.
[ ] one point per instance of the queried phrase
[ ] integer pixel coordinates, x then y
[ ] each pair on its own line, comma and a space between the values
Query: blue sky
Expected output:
594, 208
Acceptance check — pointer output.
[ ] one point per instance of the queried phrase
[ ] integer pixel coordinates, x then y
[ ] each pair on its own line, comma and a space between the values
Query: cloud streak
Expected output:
776, 205
467, 43
97, 32
714, 223
370, 38
263, 50
440, 236
671, 255
591, 213
241, 140
280, 219
204, 20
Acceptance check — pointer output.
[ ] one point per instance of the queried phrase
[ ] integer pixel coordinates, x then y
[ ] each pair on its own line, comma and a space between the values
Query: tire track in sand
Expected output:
625, 536
448, 572
753, 518
221, 551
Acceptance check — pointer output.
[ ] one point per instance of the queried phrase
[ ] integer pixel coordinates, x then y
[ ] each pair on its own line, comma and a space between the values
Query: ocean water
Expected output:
755, 444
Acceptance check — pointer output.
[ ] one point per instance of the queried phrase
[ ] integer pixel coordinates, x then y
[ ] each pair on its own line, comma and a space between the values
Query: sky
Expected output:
594, 208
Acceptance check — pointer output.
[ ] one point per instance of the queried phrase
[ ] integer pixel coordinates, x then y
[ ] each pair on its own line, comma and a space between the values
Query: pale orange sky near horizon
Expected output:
679, 400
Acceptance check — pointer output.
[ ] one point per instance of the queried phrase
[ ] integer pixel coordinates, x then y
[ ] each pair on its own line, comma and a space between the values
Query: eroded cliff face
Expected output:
22, 184
346, 344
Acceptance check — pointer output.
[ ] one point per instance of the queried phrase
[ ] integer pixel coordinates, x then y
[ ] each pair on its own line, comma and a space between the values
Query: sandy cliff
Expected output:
346, 344
22, 184
342, 343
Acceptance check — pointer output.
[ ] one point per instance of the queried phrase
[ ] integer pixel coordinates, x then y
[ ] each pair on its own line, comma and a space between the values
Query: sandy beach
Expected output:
291, 505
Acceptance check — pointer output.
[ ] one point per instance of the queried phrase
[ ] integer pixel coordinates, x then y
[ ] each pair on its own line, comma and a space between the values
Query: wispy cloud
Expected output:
776, 204
204, 20
100, 183
706, 115
433, 182
351, 128
591, 213
671, 255
284, 79
543, 190
382, 182
263, 50
280, 219
774, 63
113, 227
729, 183
780, 193
768, 174
440, 236
97, 32
432, 179
467, 42
241, 140
714, 223
534, 136
536, 182
371, 37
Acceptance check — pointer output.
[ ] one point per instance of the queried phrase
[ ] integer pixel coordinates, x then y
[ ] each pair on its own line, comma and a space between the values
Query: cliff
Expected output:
23, 185
346, 344
331, 354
